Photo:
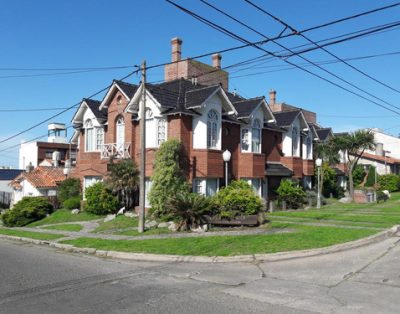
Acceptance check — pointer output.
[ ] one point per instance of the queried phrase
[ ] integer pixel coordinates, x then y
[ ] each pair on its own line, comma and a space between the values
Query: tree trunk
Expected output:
351, 183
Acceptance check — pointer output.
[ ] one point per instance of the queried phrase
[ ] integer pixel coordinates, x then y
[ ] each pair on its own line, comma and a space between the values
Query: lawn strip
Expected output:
64, 215
32, 235
304, 237
120, 222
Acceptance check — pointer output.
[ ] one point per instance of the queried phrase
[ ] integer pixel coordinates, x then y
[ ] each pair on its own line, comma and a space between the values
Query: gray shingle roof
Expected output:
94, 107
198, 96
277, 169
127, 88
286, 118
323, 133
245, 107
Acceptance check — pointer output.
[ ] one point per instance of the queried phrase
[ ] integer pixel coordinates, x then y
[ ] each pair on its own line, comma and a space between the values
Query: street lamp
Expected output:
318, 163
226, 156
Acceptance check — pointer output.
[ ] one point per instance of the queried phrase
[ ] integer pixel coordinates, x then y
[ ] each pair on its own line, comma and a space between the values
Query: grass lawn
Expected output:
32, 235
304, 237
66, 227
64, 215
147, 232
120, 222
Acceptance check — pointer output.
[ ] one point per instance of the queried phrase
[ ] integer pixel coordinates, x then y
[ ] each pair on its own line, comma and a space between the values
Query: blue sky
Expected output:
41, 35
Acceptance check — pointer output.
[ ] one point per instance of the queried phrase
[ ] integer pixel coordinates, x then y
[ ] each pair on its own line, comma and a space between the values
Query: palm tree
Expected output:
354, 144
123, 178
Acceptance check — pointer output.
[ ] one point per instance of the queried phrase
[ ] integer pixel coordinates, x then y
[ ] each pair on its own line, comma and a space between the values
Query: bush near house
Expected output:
69, 193
237, 199
390, 182
291, 194
358, 175
188, 209
27, 210
72, 203
100, 200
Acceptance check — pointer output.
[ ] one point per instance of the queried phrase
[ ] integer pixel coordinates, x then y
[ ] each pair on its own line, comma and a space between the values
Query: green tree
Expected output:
358, 175
329, 154
293, 196
168, 178
371, 177
354, 144
123, 179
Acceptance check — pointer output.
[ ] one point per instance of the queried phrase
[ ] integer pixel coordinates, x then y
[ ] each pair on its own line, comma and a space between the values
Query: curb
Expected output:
271, 257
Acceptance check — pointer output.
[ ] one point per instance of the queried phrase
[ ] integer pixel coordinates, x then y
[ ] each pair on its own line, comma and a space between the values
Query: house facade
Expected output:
206, 118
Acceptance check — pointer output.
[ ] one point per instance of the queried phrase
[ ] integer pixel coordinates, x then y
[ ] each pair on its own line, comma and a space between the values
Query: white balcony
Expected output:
116, 151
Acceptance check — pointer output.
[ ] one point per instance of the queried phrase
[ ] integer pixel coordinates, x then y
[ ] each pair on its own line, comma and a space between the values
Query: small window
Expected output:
120, 132
99, 138
309, 148
89, 142
211, 187
198, 186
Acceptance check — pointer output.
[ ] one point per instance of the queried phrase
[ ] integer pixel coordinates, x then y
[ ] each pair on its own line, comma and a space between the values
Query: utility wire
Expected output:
322, 48
63, 111
32, 109
239, 38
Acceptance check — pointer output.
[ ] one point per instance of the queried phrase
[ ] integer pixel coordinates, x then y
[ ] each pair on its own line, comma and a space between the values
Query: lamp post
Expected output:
226, 156
318, 163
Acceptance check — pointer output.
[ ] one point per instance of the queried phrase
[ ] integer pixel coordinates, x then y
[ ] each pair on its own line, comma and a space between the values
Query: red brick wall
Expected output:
272, 145
295, 164
308, 167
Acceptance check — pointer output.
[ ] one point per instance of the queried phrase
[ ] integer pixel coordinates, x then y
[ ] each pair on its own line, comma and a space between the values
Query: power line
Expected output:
63, 111
69, 69
322, 48
219, 28
32, 109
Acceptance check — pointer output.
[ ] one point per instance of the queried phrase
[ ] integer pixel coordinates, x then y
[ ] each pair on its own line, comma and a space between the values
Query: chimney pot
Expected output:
176, 44
216, 60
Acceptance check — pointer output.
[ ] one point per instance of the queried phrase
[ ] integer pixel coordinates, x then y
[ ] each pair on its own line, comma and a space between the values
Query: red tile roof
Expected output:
40, 177
389, 160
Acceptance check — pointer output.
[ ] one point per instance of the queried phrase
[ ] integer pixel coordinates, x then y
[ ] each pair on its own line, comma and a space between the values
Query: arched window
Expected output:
256, 136
89, 143
148, 113
309, 147
295, 141
120, 132
212, 129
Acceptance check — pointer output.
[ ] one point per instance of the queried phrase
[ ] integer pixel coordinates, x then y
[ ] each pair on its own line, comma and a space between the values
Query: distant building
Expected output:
42, 153
6, 176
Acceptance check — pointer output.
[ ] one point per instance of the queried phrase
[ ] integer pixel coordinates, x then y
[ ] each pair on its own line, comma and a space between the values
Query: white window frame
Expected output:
245, 140
120, 132
309, 147
147, 187
251, 181
89, 136
92, 180
161, 131
256, 128
99, 138
213, 126
200, 186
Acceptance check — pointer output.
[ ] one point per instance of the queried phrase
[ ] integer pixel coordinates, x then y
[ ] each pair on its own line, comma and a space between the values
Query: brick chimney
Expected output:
272, 97
216, 60
176, 44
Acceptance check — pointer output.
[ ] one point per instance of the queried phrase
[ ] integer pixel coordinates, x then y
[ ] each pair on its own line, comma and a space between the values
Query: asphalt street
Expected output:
39, 279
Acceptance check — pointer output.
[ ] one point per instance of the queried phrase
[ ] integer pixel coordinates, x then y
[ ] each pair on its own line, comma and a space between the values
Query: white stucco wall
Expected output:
28, 153
88, 114
27, 190
4, 187
200, 124
287, 140
390, 143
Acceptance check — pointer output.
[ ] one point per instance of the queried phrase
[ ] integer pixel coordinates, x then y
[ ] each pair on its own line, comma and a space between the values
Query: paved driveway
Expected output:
38, 279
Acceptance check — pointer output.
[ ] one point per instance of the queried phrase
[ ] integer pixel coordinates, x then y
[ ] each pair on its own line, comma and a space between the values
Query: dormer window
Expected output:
89, 143
212, 128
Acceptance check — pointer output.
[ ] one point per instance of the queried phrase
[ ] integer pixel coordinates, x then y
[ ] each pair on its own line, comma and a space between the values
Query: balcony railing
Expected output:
115, 150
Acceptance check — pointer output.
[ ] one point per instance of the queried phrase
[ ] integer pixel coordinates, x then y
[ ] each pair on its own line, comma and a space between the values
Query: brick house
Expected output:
199, 111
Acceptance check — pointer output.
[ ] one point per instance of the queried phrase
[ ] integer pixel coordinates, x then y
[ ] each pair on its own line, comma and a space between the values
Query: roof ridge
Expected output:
249, 99
205, 87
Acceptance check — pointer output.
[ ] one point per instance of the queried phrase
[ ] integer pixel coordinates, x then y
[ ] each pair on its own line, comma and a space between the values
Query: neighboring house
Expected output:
384, 164
206, 118
6, 176
42, 153
40, 181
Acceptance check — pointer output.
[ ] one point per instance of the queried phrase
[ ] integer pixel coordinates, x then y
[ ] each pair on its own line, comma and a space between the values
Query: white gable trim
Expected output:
109, 93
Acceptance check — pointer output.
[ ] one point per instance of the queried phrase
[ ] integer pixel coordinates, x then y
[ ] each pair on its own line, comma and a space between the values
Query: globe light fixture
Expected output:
226, 156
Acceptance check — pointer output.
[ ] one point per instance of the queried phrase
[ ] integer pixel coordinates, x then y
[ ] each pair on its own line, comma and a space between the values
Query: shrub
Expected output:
27, 210
69, 188
390, 182
188, 209
313, 196
100, 200
72, 203
291, 194
167, 177
371, 177
339, 192
237, 199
